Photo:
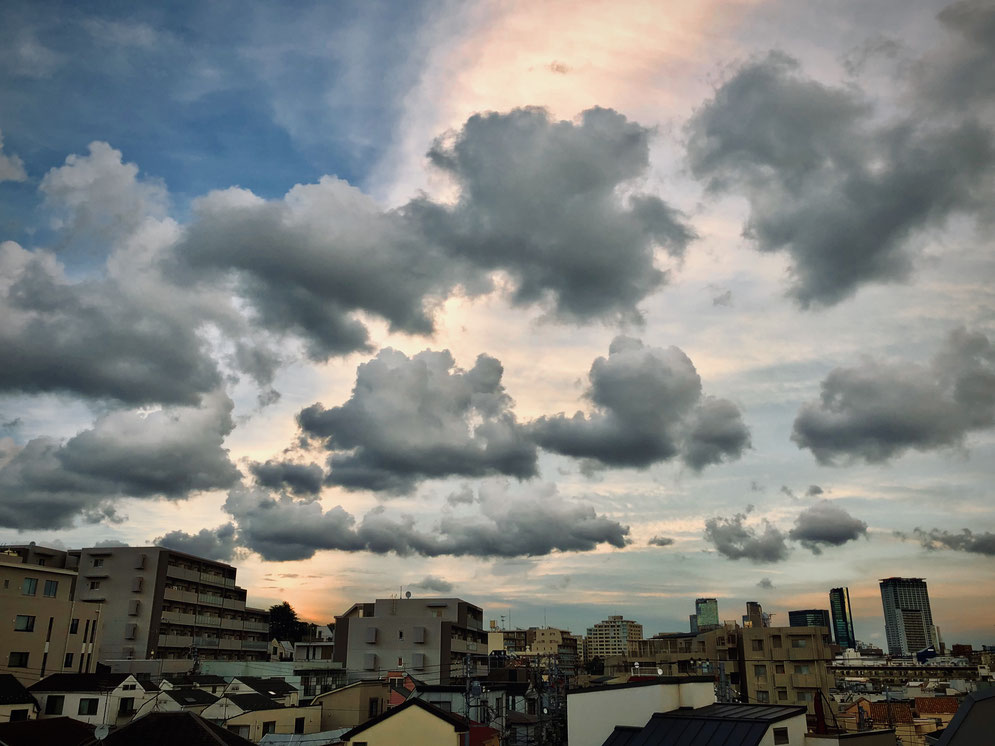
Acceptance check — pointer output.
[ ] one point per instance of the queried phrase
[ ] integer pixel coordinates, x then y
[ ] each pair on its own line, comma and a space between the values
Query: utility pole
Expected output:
466, 696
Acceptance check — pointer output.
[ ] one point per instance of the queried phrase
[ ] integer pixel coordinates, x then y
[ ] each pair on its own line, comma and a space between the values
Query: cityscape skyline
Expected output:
578, 309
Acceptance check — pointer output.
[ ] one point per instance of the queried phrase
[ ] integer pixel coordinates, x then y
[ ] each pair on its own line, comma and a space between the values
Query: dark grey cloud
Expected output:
826, 524
121, 346
434, 583
965, 541
765, 583
959, 76
878, 410
414, 418
539, 199
281, 528
813, 490
111, 543
648, 408
661, 541
217, 544
840, 193
299, 479
734, 539
168, 453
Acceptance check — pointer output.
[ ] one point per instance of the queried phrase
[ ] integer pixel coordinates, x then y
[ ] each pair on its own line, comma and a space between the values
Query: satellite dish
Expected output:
659, 672
100, 732
407, 594
637, 664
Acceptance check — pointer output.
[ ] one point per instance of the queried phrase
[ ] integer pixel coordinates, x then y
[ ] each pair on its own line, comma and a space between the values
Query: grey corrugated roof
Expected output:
190, 697
622, 735
714, 725
79, 682
253, 702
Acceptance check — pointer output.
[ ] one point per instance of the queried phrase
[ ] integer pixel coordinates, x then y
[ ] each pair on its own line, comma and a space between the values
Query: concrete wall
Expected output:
593, 715
108, 704
864, 738
350, 706
796, 726
250, 724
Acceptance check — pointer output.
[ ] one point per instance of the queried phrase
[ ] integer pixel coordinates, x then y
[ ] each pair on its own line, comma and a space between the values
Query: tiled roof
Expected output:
622, 735
891, 712
79, 682
64, 731
937, 705
12, 691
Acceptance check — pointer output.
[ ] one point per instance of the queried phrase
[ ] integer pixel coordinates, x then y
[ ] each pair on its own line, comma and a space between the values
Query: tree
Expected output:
283, 623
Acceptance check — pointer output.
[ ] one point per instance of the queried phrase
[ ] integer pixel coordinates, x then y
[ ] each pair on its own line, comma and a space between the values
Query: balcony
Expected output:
804, 681
229, 644
255, 627
229, 582
234, 603
254, 645
177, 617
175, 571
175, 594
232, 624
208, 621
175, 641
206, 642
213, 578
209, 598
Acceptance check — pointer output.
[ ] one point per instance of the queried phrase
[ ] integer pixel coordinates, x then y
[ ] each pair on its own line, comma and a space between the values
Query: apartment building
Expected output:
685, 653
437, 639
509, 640
557, 643
159, 603
908, 618
784, 665
612, 637
45, 628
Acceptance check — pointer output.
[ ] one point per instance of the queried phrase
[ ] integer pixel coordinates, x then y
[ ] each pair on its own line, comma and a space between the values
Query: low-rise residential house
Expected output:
95, 698
973, 724
718, 723
281, 650
495, 701
205, 682
253, 715
319, 647
593, 713
16, 702
941, 709
353, 704
46, 628
274, 688
417, 723
61, 731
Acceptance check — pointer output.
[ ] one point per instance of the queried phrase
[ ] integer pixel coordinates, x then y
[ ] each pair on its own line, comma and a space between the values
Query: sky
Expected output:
568, 309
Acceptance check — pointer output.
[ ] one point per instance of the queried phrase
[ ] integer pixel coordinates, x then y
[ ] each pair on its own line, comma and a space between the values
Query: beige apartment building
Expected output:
612, 637
45, 628
159, 603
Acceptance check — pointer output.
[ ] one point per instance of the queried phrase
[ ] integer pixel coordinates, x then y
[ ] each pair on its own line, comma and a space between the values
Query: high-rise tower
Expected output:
839, 607
908, 620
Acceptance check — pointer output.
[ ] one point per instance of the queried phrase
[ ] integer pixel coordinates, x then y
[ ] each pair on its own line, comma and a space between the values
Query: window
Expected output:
129, 687
299, 725
778, 668
763, 697
269, 726
74, 627
17, 660
51, 588
400, 634
780, 736
94, 585
775, 641
373, 707
782, 695
98, 562
801, 668
88, 706
805, 696
24, 623
799, 642
30, 586
127, 706
16, 715
68, 662
760, 671
757, 645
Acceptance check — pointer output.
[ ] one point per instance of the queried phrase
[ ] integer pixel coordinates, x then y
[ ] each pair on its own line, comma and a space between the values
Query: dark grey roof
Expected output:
169, 729
273, 687
253, 701
715, 725
199, 679
79, 682
12, 691
188, 696
655, 681
622, 735
64, 731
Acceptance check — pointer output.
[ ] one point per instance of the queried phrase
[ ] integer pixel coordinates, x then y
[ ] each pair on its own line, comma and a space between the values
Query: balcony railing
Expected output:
206, 642
254, 645
234, 603
175, 594
175, 571
210, 598
175, 641
256, 627
208, 621
232, 624
178, 617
